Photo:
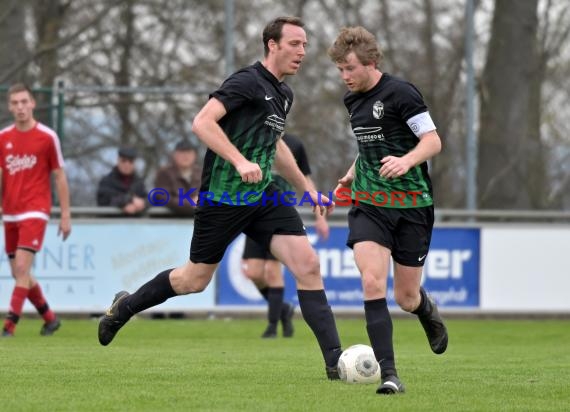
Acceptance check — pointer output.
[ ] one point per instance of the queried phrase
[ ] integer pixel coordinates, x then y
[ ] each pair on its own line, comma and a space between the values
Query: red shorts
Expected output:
26, 234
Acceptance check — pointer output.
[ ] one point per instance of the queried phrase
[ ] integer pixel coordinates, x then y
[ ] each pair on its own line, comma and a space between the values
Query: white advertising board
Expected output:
83, 273
525, 268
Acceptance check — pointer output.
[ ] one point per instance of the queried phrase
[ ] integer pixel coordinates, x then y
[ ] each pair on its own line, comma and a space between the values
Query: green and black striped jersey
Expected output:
378, 119
298, 149
257, 105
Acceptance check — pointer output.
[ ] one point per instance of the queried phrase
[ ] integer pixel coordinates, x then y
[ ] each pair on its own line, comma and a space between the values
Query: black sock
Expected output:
275, 299
318, 315
285, 307
379, 328
424, 308
152, 293
264, 291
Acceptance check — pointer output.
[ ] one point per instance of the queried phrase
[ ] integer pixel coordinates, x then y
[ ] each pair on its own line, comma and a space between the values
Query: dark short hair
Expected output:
274, 29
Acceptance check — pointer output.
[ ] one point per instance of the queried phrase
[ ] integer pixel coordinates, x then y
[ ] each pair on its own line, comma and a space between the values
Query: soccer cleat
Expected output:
6, 334
49, 328
332, 373
434, 327
287, 320
110, 323
270, 332
390, 385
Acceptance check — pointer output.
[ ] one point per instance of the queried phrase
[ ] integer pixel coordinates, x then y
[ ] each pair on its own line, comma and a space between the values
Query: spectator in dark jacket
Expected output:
122, 187
181, 174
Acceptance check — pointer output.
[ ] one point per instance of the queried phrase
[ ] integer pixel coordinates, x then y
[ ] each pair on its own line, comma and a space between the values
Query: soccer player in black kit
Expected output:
266, 272
394, 213
241, 125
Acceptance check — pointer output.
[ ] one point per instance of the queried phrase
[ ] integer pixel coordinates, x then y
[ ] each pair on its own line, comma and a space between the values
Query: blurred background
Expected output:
495, 75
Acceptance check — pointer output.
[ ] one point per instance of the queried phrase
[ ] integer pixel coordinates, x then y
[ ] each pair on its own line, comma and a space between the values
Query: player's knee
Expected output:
21, 270
310, 266
407, 300
252, 272
372, 286
185, 287
184, 281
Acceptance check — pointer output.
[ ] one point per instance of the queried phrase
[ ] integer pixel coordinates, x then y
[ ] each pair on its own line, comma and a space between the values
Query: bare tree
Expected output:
136, 72
505, 160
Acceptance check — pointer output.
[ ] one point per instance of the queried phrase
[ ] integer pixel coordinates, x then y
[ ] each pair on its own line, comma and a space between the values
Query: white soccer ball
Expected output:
357, 364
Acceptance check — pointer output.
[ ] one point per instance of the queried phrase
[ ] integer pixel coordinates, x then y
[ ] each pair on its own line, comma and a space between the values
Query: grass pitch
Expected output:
223, 365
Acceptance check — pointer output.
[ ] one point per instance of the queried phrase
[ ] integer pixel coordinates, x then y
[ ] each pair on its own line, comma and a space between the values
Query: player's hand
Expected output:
393, 167
344, 182
322, 204
64, 228
250, 172
322, 227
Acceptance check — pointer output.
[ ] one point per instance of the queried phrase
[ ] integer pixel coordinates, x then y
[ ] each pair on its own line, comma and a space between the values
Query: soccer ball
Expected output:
357, 364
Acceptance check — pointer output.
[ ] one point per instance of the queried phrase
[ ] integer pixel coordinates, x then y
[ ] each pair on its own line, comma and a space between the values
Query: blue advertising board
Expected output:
451, 271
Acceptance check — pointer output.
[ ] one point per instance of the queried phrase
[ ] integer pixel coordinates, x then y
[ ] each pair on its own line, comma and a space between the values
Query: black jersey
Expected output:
257, 105
298, 149
378, 119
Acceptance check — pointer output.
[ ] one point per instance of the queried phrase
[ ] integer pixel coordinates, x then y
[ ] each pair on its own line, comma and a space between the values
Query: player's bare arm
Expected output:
428, 147
62, 189
206, 127
287, 167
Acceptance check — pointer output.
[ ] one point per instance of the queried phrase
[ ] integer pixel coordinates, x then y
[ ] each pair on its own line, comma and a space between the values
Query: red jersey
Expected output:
27, 160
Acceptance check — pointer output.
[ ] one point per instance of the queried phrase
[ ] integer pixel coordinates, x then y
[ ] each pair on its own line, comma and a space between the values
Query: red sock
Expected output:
37, 298
19, 295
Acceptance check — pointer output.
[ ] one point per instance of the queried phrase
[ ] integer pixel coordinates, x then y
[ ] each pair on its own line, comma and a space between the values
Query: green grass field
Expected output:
223, 365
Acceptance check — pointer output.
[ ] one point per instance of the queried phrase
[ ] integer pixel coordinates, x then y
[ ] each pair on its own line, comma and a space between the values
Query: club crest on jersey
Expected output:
378, 110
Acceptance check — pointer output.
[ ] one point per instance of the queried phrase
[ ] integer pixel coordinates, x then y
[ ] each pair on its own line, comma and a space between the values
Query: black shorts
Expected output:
406, 232
216, 226
254, 250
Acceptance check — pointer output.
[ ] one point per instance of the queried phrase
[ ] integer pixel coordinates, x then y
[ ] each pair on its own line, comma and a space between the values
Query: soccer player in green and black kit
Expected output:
392, 213
242, 124
264, 270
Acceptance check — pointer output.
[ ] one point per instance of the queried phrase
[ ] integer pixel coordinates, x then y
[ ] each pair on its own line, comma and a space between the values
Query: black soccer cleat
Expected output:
434, 327
270, 332
390, 385
287, 320
332, 373
49, 328
110, 323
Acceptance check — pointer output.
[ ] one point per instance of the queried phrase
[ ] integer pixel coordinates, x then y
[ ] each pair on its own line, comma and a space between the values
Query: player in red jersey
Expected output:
29, 154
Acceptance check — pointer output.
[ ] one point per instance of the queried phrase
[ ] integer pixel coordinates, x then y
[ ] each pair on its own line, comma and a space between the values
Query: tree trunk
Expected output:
505, 163
13, 46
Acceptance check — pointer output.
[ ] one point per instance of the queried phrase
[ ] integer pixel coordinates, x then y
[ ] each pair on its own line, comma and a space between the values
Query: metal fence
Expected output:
339, 216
